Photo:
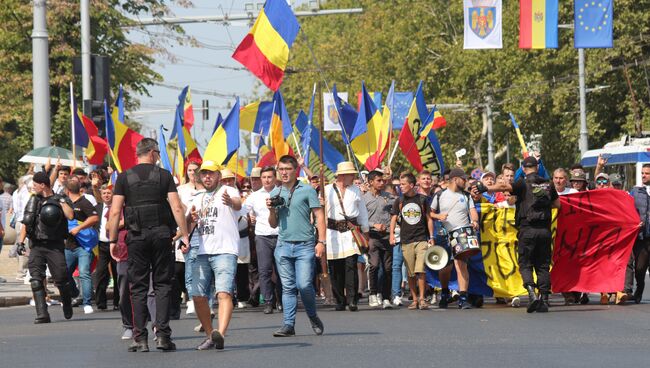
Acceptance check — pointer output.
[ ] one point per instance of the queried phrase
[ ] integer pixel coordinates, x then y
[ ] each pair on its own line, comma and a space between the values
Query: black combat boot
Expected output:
533, 299
42, 316
543, 305
66, 300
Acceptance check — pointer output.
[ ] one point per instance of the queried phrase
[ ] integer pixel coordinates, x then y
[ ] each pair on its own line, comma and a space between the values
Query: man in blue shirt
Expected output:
291, 206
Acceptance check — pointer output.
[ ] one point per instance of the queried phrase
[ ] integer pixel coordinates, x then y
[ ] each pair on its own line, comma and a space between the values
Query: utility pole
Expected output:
85, 58
41, 76
584, 133
487, 114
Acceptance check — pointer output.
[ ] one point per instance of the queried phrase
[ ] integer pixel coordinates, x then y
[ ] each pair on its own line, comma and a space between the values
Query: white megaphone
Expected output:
436, 258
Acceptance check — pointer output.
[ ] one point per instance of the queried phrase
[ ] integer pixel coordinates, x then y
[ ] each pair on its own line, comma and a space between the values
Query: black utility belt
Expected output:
340, 225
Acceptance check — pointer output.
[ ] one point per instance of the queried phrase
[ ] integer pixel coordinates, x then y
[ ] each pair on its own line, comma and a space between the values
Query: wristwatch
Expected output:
324, 242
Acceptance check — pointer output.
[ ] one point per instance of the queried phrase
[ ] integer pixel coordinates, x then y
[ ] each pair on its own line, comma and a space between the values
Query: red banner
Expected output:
596, 231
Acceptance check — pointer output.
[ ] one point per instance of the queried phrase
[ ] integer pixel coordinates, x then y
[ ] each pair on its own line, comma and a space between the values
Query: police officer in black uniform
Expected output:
46, 227
152, 210
535, 198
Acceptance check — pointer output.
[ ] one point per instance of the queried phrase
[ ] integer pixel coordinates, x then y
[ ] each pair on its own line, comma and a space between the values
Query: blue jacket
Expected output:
642, 204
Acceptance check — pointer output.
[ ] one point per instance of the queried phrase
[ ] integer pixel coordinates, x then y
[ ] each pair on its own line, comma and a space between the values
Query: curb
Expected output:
14, 301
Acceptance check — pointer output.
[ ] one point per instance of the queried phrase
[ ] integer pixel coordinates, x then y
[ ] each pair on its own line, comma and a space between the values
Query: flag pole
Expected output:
321, 178
72, 112
338, 113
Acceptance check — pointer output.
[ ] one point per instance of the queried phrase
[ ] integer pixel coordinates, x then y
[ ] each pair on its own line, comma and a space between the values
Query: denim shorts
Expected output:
217, 269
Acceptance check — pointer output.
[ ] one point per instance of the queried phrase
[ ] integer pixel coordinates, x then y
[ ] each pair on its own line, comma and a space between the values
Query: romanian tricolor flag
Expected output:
164, 154
424, 153
370, 146
121, 139
434, 121
265, 49
86, 135
538, 24
280, 127
256, 117
184, 108
225, 140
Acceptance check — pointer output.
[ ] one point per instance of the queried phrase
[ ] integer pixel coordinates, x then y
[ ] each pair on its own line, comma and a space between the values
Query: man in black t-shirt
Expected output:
416, 230
535, 198
78, 253
152, 211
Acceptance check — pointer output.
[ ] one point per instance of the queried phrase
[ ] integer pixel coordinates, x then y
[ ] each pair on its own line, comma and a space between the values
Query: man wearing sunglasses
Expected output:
602, 181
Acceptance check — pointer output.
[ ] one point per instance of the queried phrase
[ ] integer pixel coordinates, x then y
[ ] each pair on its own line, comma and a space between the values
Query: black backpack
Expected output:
535, 209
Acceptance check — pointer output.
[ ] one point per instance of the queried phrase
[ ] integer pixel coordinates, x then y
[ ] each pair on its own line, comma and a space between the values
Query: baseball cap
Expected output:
602, 176
457, 173
616, 179
529, 161
489, 173
210, 166
41, 178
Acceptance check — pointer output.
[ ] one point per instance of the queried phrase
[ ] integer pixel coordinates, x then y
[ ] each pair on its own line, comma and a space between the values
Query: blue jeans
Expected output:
82, 258
190, 258
398, 260
214, 272
295, 262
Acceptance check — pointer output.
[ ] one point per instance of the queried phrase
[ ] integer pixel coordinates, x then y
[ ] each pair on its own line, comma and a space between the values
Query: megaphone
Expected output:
436, 258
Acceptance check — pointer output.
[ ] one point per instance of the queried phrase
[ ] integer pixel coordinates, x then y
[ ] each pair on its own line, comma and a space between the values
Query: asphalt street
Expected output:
495, 336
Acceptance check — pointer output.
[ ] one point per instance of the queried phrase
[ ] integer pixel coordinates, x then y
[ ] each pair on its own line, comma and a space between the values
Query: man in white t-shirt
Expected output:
214, 213
560, 181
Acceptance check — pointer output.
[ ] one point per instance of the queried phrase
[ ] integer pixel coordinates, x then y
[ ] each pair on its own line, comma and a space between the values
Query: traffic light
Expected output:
100, 88
205, 109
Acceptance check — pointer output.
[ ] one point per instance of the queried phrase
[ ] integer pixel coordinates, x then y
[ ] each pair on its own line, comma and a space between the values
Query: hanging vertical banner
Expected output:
330, 115
483, 24
538, 24
594, 21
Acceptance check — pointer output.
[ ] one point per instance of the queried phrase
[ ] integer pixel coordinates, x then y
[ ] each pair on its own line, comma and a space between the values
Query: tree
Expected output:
412, 40
130, 64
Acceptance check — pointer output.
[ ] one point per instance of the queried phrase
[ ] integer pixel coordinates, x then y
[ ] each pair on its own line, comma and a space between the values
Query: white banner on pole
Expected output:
330, 116
483, 24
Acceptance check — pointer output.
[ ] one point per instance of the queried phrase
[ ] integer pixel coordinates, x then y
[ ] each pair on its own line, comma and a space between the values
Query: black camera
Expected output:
480, 187
277, 201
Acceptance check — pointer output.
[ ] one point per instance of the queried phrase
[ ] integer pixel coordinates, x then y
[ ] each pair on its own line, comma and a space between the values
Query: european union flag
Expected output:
594, 24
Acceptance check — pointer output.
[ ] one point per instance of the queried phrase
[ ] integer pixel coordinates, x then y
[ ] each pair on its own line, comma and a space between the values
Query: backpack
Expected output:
536, 206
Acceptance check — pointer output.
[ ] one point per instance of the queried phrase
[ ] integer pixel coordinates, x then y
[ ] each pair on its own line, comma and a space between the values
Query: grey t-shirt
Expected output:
456, 206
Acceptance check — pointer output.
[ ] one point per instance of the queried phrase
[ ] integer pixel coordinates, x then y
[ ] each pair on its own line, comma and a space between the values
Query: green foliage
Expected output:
412, 40
130, 65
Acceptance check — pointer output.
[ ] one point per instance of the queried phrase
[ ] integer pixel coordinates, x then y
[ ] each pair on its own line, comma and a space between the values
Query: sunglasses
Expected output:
602, 182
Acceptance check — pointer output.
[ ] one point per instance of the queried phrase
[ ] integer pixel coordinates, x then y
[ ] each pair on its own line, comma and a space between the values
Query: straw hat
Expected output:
256, 172
227, 174
345, 167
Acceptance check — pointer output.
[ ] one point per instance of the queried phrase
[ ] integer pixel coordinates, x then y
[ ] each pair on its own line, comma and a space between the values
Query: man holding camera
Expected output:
290, 208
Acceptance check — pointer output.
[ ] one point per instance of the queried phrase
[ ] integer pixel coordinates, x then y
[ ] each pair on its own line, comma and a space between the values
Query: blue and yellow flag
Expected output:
225, 140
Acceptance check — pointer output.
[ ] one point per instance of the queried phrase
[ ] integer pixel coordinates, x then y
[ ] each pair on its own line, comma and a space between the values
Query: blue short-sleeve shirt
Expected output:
294, 219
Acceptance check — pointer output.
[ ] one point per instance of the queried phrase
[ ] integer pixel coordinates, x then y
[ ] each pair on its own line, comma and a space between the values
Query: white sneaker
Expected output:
190, 307
516, 302
397, 300
387, 304
31, 302
372, 301
243, 305
88, 309
127, 334
51, 302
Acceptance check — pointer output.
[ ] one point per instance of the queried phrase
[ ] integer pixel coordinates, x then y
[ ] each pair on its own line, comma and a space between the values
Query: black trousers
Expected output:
151, 255
241, 282
629, 275
102, 276
345, 280
535, 253
178, 288
641, 262
380, 253
50, 255
126, 310
268, 273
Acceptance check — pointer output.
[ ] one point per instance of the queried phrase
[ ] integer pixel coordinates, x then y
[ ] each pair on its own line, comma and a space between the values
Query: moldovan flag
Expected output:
86, 135
538, 24
482, 24
435, 120
256, 117
265, 49
369, 147
121, 139
225, 140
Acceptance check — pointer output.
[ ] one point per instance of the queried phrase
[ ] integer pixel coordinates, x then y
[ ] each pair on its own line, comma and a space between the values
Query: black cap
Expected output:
79, 171
529, 161
457, 173
41, 178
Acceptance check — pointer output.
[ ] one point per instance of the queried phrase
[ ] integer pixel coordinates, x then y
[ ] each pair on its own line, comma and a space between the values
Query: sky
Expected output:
201, 68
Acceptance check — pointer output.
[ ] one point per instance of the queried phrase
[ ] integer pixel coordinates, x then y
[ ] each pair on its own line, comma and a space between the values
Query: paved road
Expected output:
495, 336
